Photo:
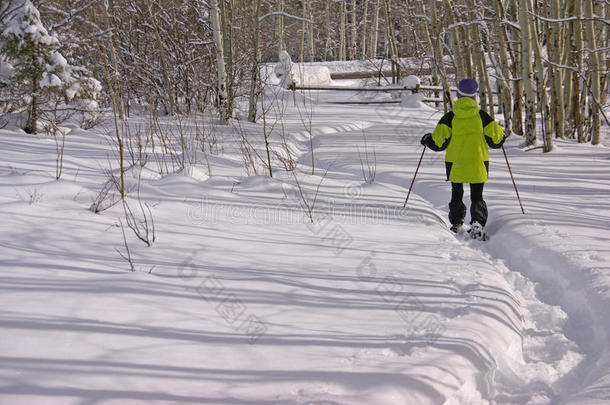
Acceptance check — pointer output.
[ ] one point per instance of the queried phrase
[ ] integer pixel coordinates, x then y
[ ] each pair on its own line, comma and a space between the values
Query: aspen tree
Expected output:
543, 100
310, 31
375, 30
226, 18
514, 50
342, 45
220, 62
554, 49
254, 82
478, 57
457, 45
364, 40
354, 33
164, 68
328, 41
504, 92
392, 43
280, 26
594, 73
527, 71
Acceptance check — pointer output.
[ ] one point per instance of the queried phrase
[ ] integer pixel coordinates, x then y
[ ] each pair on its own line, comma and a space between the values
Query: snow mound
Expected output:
415, 100
195, 172
288, 73
411, 82
311, 75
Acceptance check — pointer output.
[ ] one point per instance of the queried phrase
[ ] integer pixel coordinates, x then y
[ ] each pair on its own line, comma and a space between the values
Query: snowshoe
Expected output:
456, 228
477, 232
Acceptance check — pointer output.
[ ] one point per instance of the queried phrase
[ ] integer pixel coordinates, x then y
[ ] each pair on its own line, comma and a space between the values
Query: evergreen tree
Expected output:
34, 70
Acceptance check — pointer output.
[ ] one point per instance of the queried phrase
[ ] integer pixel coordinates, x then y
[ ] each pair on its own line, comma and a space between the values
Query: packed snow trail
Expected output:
241, 300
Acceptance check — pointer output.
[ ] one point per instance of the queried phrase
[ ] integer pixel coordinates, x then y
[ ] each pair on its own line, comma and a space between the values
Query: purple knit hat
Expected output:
467, 88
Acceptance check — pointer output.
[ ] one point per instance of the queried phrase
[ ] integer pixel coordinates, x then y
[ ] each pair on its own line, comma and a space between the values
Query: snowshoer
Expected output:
465, 132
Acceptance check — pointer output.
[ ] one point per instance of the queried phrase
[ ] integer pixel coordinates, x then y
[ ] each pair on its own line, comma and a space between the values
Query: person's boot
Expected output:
477, 231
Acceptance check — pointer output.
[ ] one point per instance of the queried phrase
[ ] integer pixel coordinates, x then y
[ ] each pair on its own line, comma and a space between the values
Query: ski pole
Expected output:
414, 176
513, 179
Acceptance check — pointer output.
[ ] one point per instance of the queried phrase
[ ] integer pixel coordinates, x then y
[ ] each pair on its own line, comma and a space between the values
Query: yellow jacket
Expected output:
466, 132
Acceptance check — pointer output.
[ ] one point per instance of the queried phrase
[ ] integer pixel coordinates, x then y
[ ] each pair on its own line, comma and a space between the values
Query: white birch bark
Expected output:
253, 99
543, 99
342, 45
527, 71
364, 40
354, 33
555, 48
594, 73
375, 30
220, 61
503, 84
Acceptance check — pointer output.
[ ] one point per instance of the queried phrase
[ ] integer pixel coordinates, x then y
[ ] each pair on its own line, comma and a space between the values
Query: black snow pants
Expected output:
457, 209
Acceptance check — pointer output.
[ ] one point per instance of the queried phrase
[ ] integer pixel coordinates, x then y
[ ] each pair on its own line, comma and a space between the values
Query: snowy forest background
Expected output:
537, 57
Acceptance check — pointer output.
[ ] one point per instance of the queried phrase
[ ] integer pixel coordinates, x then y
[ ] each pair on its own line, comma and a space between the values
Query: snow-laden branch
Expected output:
423, 17
585, 81
512, 24
568, 19
296, 17
466, 24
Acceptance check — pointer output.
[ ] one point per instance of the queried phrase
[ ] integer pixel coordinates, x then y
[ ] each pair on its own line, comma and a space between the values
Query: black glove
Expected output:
425, 140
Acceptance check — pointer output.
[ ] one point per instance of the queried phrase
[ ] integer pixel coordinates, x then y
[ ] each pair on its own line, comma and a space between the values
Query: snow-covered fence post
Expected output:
412, 83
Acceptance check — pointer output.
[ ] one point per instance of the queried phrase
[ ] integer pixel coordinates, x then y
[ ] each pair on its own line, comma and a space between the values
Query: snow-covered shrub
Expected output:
33, 72
283, 70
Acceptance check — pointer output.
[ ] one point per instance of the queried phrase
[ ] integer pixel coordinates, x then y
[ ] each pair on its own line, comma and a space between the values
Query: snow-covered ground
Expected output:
242, 299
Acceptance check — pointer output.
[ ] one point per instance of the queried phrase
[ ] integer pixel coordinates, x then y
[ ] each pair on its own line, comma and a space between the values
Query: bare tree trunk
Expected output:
577, 106
253, 100
342, 45
594, 73
365, 17
328, 41
226, 19
113, 99
479, 61
312, 54
115, 65
280, 27
604, 61
354, 33
164, 69
436, 47
456, 42
554, 49
303, 30
375, 31
220, 62
504, 92
543, 99
393, 45
527, 71
513, 46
